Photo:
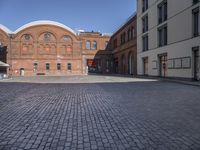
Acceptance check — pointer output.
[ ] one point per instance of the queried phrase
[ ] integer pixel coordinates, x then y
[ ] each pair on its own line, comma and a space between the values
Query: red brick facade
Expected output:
123, 45
51, 49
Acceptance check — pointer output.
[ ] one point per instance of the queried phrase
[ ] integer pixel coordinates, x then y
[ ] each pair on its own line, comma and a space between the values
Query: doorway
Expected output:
145, 66
35, 68
162, 65
22, 72
130, 64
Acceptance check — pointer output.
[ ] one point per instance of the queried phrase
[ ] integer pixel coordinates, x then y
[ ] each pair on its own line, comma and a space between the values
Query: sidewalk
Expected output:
181, 81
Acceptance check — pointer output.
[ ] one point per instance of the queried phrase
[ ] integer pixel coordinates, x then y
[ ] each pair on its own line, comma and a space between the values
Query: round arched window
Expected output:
27, 37
67, 38
47, 36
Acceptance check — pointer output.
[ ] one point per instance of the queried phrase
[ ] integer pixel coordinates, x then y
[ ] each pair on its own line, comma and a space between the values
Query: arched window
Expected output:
88, 45
67, 38
27, 37
132, 33
130, 63
47, 37
129, 34
94, 45
123, 63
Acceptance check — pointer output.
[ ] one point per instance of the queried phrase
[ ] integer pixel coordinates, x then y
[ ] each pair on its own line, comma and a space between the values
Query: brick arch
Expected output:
41, 36
23, 37
130, 60
63, 40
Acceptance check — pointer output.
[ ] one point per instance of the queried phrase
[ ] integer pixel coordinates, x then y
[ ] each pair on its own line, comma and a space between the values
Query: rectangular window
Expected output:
58, 66
162, 12
162, 36
47, 66
196, 22
195, 1
69, 66
123, 38
115, 43
35, 66
132, 33
129, 35
145, 43
144, 5
145, 24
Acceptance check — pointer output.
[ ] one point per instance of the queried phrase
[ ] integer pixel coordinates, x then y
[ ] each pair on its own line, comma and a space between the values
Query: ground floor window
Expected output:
35, 67
58, 66
47, 66
69, 66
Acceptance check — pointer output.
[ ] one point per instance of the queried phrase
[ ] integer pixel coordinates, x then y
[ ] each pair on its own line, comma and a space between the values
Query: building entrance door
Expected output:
116, 65
35, 68
196, 65
145, 66
21, 71
163, 65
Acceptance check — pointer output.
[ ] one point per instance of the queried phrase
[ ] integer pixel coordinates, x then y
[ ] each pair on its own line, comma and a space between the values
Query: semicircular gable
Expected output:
44, 22
5, 29
4, 38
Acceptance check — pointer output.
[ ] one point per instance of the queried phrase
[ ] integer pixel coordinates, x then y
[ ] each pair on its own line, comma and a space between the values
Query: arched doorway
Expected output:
22, 72
130, 63
123, 64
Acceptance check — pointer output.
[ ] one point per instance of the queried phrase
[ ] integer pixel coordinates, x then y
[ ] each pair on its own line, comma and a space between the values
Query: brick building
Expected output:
123, 45
51, 48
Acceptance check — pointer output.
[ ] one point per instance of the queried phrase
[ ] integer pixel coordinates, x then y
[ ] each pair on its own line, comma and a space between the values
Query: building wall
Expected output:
180, 40
96, 54
43, 44
122, 51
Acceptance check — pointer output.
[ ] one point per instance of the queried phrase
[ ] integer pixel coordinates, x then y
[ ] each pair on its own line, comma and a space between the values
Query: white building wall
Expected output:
180, 38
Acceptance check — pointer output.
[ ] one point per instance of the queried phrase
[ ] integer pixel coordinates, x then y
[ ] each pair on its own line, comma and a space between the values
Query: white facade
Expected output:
181, 45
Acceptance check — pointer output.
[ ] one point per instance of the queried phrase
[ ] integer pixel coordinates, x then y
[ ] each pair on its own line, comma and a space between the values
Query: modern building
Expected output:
168, 38
51, 48
123, 45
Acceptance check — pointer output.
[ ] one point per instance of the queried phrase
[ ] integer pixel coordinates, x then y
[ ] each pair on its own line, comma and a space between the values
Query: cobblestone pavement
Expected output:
76, 79
118, 116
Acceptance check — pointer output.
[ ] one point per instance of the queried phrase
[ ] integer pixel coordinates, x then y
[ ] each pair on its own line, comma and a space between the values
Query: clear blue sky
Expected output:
98, 15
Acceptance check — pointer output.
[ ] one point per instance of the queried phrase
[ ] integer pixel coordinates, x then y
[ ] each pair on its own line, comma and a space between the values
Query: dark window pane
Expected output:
69, 66
58, 66
47, 67
196, 22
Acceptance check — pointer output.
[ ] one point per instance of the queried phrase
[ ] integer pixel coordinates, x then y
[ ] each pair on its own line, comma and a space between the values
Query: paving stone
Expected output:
126, 115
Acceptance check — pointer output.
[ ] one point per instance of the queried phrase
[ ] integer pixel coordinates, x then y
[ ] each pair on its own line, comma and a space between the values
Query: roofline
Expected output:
36, 23
127, 20
44, 22
5, 29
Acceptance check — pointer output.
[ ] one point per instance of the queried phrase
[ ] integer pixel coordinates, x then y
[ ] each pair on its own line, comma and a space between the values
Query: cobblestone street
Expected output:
109, 113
